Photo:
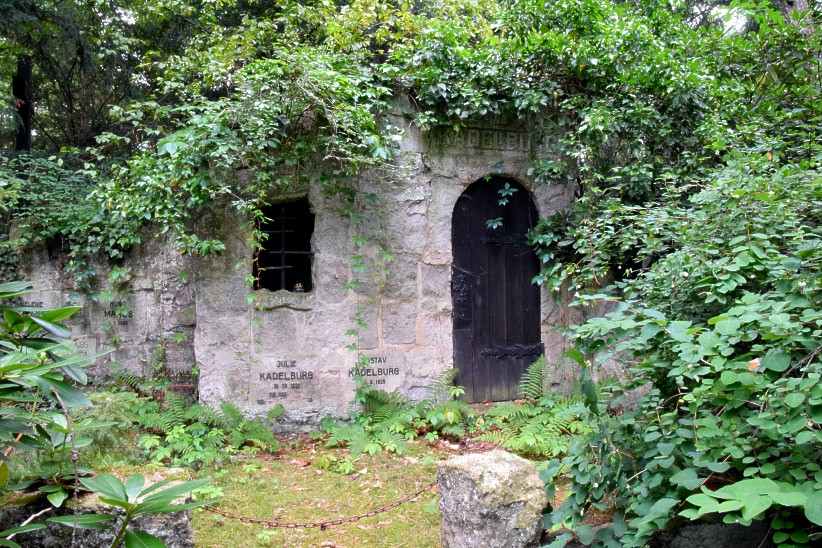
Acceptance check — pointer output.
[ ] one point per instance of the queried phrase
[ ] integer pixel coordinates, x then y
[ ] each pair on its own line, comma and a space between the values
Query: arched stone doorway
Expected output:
496, 308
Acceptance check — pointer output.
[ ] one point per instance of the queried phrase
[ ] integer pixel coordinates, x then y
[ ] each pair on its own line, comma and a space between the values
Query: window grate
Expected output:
284, 258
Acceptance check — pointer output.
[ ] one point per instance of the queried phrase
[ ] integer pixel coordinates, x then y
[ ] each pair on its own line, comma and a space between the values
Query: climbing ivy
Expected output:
249, 107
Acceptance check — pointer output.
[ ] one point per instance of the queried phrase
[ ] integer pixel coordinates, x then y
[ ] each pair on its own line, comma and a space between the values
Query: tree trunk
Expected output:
24, 102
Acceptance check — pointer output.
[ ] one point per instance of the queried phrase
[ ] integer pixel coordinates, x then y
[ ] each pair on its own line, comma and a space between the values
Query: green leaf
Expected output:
4, 474
119, 503
58, 314
54, 329
792, 498
679, 331
747, 488
585, 534
27, 528
83, 521
57, 498
141, 539
794, 399
660, 509
70, 396
134, 484
813, 508
165, 507
686, 478
702, 500
14, 289
718, 467
176, 491
106, 485
776, 360
729, 506
755, 506
728, 326
577, 356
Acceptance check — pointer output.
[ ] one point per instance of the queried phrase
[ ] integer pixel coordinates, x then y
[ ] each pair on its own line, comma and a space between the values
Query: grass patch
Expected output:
294, 488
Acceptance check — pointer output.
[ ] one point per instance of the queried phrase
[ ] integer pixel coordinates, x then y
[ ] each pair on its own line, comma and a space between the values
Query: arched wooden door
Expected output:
496, 307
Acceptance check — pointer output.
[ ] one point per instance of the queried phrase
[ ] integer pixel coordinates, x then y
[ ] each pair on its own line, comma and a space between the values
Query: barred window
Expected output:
283, 260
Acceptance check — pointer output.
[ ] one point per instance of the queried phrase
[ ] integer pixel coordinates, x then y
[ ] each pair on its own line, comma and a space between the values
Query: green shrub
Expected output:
726, 330
39, 374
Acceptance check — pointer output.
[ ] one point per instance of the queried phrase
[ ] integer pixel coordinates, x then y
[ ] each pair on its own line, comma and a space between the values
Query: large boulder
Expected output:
492, 499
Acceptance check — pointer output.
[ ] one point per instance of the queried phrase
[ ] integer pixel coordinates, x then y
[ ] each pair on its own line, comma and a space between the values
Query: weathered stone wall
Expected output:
261, 348
144, 324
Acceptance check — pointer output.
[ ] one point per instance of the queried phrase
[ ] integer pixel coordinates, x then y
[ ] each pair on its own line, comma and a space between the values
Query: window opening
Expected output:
284, 258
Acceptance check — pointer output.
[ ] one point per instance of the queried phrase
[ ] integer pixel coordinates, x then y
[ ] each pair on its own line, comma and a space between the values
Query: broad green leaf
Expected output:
54, 329
141, 539
686, 478
660, 508
69, 395
120, 503
718, 467
14, 289
747, 488
134, 484
585, 534
106, 485
728, 326
57, 498
702, 500
4, 474
176, 491
58, 314
794, 399
155, 486
729, 506
83, 521
679, 331
27, 528
776, 360
794, 498
813, 508
755, 506
163, 507
577, 356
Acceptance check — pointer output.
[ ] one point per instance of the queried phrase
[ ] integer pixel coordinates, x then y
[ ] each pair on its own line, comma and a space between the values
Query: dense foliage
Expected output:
693, 148
718, 320
39, 371
250, 99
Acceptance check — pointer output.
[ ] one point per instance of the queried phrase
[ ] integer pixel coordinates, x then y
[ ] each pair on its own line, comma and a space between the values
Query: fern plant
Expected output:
541, 429
387, 420
532, 383
176, 431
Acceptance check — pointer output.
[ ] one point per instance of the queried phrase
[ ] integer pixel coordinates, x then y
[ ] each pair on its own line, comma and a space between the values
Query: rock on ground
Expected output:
492, 499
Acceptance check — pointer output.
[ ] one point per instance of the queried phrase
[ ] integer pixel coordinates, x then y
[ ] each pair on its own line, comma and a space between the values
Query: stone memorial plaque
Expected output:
385, 370
282, 381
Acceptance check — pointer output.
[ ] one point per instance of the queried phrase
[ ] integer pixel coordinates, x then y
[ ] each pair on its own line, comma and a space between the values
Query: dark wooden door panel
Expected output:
496, 307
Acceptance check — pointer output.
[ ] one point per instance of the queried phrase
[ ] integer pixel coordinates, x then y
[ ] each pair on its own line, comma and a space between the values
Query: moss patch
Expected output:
294, 488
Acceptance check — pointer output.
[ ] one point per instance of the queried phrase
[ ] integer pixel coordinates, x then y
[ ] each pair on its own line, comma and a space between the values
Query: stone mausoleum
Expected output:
451, 289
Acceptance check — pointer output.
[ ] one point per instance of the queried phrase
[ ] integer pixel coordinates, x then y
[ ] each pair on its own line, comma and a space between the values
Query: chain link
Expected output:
321, 525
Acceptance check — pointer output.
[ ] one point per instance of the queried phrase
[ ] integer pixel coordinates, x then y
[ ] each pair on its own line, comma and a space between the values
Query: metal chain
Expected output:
322, 525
